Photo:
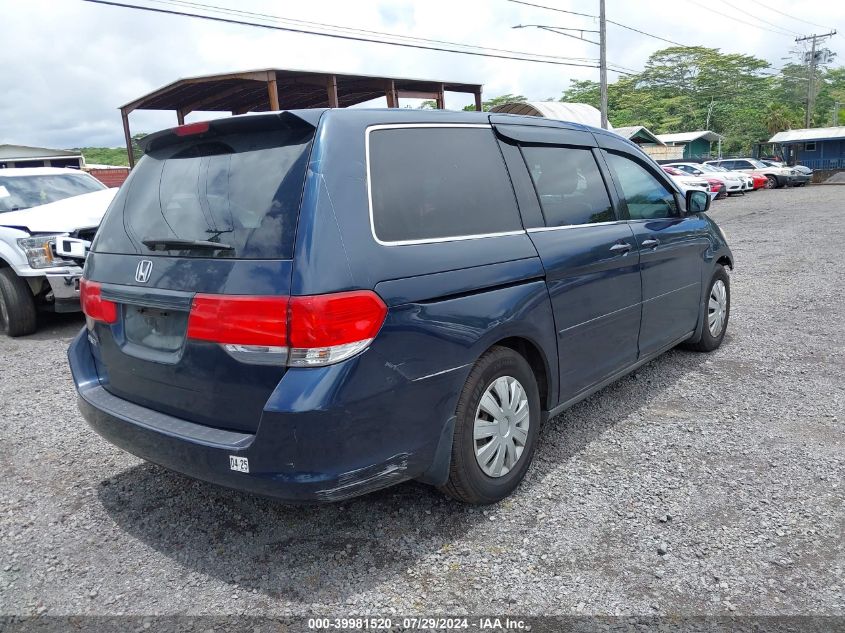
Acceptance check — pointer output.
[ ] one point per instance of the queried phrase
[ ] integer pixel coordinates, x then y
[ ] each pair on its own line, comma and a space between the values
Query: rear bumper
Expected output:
320, 454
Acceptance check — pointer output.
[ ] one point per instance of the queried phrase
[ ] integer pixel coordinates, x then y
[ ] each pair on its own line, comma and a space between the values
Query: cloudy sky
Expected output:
69, 64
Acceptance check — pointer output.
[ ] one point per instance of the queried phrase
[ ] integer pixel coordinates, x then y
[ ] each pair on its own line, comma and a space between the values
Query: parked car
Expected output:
315, 304
37, 205
747, 180
718, 187
759, 180
733, 182
778, 176
686, 182
801, 169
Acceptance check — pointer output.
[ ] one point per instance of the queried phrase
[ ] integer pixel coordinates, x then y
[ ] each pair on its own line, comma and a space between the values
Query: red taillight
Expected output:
314, 330
335, 319
239, 320
191, 128
93, 304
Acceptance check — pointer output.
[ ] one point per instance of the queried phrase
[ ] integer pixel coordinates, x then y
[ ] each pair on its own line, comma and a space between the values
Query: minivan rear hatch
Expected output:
194, 252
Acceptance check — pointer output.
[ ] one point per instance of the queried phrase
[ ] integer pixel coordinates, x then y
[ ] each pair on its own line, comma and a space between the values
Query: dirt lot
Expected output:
732, 463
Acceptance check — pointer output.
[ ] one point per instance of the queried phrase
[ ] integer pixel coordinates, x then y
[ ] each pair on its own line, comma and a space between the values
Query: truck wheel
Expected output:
498, 420
716, 310
17, 307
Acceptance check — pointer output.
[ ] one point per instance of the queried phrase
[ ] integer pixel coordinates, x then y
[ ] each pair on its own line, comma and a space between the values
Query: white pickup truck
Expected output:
38, 206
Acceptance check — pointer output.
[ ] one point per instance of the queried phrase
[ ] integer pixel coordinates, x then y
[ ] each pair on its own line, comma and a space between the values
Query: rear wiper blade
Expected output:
168, 243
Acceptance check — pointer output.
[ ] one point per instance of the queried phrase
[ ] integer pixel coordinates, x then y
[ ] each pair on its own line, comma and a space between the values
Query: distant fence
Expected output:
110, 177
823, 163
664, 152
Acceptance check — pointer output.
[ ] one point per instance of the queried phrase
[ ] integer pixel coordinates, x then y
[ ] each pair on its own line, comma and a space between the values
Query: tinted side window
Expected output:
644, 194
741, 164
429, 183
569, 185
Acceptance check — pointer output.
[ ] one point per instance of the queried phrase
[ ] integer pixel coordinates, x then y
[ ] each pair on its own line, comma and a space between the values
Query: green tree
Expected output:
488, 104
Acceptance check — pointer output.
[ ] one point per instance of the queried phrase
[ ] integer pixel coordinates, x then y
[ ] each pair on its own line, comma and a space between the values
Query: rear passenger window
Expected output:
646, 197
433, 183
569, 185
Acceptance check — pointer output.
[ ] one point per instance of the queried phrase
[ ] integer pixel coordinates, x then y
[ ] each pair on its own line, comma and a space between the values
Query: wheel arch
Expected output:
538, 361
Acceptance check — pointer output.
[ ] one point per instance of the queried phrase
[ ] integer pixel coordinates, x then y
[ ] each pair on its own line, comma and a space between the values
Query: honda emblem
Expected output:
142, 273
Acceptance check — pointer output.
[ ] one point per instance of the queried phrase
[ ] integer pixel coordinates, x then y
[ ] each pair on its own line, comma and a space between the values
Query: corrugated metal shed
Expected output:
638, 133
689, 137
808, 134
26, 156
574, 112
285, 89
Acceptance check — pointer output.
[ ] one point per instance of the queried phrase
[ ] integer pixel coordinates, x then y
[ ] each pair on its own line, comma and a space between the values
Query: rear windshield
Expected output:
23, 192
240, 191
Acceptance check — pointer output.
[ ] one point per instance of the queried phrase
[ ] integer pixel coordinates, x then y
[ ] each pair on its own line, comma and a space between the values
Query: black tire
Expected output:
772, 182
17, 306
467, 481
708, 342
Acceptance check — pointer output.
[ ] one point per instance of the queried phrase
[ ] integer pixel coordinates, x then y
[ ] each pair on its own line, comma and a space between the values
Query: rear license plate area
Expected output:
154, 328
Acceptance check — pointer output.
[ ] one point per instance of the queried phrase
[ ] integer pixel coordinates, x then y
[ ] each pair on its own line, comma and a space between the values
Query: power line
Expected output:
792, 17
735, 19
759, 19
657, 37
268, 16
587, 15
540, 6
526, 57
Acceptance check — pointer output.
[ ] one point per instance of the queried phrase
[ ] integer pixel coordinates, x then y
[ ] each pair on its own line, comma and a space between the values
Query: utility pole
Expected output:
811, 76
836, 105
603, 63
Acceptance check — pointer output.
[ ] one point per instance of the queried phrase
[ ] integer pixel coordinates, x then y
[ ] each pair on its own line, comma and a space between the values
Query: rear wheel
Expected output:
17, 307
498, 420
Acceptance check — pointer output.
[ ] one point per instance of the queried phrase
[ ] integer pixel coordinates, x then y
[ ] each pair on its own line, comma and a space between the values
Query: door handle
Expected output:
650, 243
621, 247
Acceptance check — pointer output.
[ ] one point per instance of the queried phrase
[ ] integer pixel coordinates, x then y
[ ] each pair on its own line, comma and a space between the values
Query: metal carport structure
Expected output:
280, 89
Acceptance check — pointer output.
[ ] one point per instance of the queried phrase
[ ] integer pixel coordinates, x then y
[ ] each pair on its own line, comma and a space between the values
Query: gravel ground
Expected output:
703, 484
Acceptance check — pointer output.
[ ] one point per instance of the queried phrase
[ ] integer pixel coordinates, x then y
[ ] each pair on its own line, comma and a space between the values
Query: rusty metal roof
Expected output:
247, 91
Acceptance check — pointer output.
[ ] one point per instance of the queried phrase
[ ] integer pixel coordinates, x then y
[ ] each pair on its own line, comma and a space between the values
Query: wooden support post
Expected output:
180, 116
441, 98
390, 93
125, 116
478, 105
272, 91
331, 88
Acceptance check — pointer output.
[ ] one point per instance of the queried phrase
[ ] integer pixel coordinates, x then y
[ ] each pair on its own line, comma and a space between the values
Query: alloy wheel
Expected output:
501, 426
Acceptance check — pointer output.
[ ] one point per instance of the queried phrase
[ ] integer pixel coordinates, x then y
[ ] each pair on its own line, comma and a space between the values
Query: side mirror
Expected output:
697, 201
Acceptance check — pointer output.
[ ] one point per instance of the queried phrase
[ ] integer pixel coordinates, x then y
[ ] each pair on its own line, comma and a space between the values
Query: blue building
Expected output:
816, 148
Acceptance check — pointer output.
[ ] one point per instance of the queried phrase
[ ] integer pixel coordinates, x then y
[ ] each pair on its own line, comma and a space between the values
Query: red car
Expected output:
759, 180
718, 187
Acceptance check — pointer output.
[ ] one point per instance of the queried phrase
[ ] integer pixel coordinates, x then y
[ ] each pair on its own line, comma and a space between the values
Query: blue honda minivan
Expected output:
316, 304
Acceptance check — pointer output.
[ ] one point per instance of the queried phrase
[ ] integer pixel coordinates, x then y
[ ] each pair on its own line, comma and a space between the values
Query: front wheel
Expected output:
496, 428
716, 310
17, 307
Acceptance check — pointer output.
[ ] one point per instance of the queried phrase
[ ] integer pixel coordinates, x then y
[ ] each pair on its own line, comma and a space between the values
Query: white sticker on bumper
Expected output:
240, 464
